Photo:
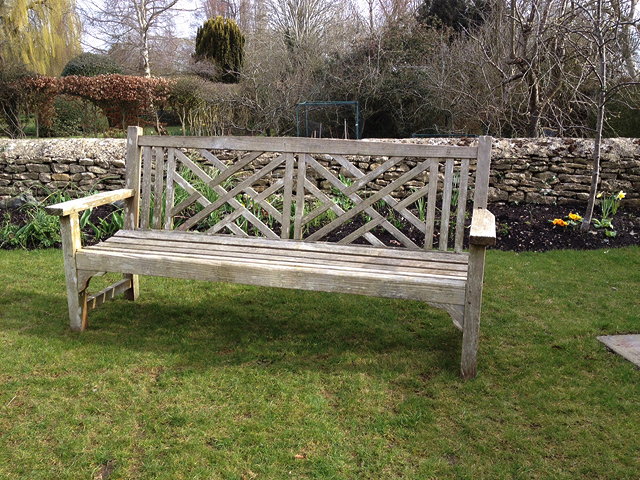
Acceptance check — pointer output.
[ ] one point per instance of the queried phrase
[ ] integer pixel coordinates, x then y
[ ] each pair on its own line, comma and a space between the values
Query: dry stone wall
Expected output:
547, 171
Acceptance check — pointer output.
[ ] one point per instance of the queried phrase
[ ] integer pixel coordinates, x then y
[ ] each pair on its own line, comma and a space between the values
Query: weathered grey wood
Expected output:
312, 146
286, 200
481, 192
209, 157
170, 190
430, 219
80, 204
301, 179
472, 307
76, 298
331, 256
392, 202
158, 153
445, 211
94, 301
228, 196
447, 280
462, 204
145, 198
330, 279
132, 205
362, 206
427, 255
483, 228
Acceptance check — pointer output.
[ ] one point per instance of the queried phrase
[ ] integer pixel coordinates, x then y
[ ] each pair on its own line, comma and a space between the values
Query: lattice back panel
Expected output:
406, 200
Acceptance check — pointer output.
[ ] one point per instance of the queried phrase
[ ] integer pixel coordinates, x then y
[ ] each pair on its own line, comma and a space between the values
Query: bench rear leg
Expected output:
472, 307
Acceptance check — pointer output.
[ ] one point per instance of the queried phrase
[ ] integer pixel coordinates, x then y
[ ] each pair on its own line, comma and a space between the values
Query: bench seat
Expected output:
385, 272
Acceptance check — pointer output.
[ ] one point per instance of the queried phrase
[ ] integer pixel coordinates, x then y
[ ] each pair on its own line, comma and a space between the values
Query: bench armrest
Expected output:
80, 204
483, 228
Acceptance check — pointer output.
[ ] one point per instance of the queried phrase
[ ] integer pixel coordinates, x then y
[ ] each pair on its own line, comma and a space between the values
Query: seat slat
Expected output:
388, 252
317, 258
440, 289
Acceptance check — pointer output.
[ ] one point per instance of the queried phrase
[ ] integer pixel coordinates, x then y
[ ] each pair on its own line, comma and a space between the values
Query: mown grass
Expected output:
209, 381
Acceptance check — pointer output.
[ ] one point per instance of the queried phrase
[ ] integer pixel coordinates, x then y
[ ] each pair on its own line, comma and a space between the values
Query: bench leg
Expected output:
76, 297
472, 307
133, 292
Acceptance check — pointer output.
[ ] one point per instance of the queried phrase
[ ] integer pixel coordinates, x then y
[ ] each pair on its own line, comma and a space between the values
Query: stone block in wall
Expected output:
4, 183
533, 197
516, 197
566, 201
79, 177
561, 169
60, 177
7, 191
40, 168
575, 178
26, 176
97, 170
44, 177
86, 162
77, 169
572, 187
496, 195
547, 177
60, 168
15, 168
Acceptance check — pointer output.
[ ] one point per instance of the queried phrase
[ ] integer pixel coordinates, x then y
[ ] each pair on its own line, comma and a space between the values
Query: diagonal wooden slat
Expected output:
364, 205
392, 202
228, 196
208, 156
228, 172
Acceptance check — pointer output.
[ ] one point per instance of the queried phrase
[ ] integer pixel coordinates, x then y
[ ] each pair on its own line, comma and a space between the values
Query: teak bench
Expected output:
255, 211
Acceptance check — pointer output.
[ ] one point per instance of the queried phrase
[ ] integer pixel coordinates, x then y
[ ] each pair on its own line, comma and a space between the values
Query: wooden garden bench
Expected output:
251, 210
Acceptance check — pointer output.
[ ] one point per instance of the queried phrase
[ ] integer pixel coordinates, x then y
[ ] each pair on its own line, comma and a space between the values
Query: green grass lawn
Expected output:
212, 381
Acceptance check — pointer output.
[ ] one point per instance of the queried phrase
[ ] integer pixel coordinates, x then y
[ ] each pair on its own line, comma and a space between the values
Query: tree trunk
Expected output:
602, 99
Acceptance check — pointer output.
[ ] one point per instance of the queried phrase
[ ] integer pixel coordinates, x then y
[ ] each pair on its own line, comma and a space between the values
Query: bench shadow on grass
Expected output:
261, 327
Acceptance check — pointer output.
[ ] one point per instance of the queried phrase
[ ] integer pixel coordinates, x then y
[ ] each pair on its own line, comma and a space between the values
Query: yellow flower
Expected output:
575, 216
599, 195
621, 195
559, 221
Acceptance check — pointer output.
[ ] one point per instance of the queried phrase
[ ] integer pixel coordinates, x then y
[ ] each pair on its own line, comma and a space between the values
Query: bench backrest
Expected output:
307, 189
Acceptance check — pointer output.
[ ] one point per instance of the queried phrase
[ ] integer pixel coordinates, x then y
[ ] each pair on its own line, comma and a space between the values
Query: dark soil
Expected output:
519, 228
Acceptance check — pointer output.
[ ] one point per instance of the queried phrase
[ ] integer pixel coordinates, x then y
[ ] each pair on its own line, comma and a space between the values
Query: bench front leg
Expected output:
76, 294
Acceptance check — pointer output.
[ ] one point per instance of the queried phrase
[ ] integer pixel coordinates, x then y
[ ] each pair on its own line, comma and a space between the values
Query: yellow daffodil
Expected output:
575, 216
560, 222
599, 195
621, 195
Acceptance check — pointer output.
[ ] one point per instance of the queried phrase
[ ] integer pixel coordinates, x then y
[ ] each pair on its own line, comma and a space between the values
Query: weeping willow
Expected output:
41, 34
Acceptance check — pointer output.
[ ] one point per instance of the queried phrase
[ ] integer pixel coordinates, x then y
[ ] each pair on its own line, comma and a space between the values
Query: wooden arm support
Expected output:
80, 204
483, 228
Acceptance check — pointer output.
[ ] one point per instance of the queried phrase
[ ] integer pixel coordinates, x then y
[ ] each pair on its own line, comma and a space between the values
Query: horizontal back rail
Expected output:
310, 145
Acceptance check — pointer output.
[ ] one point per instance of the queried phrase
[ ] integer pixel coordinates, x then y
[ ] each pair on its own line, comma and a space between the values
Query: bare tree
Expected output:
131, 22
302, 22
604, 45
